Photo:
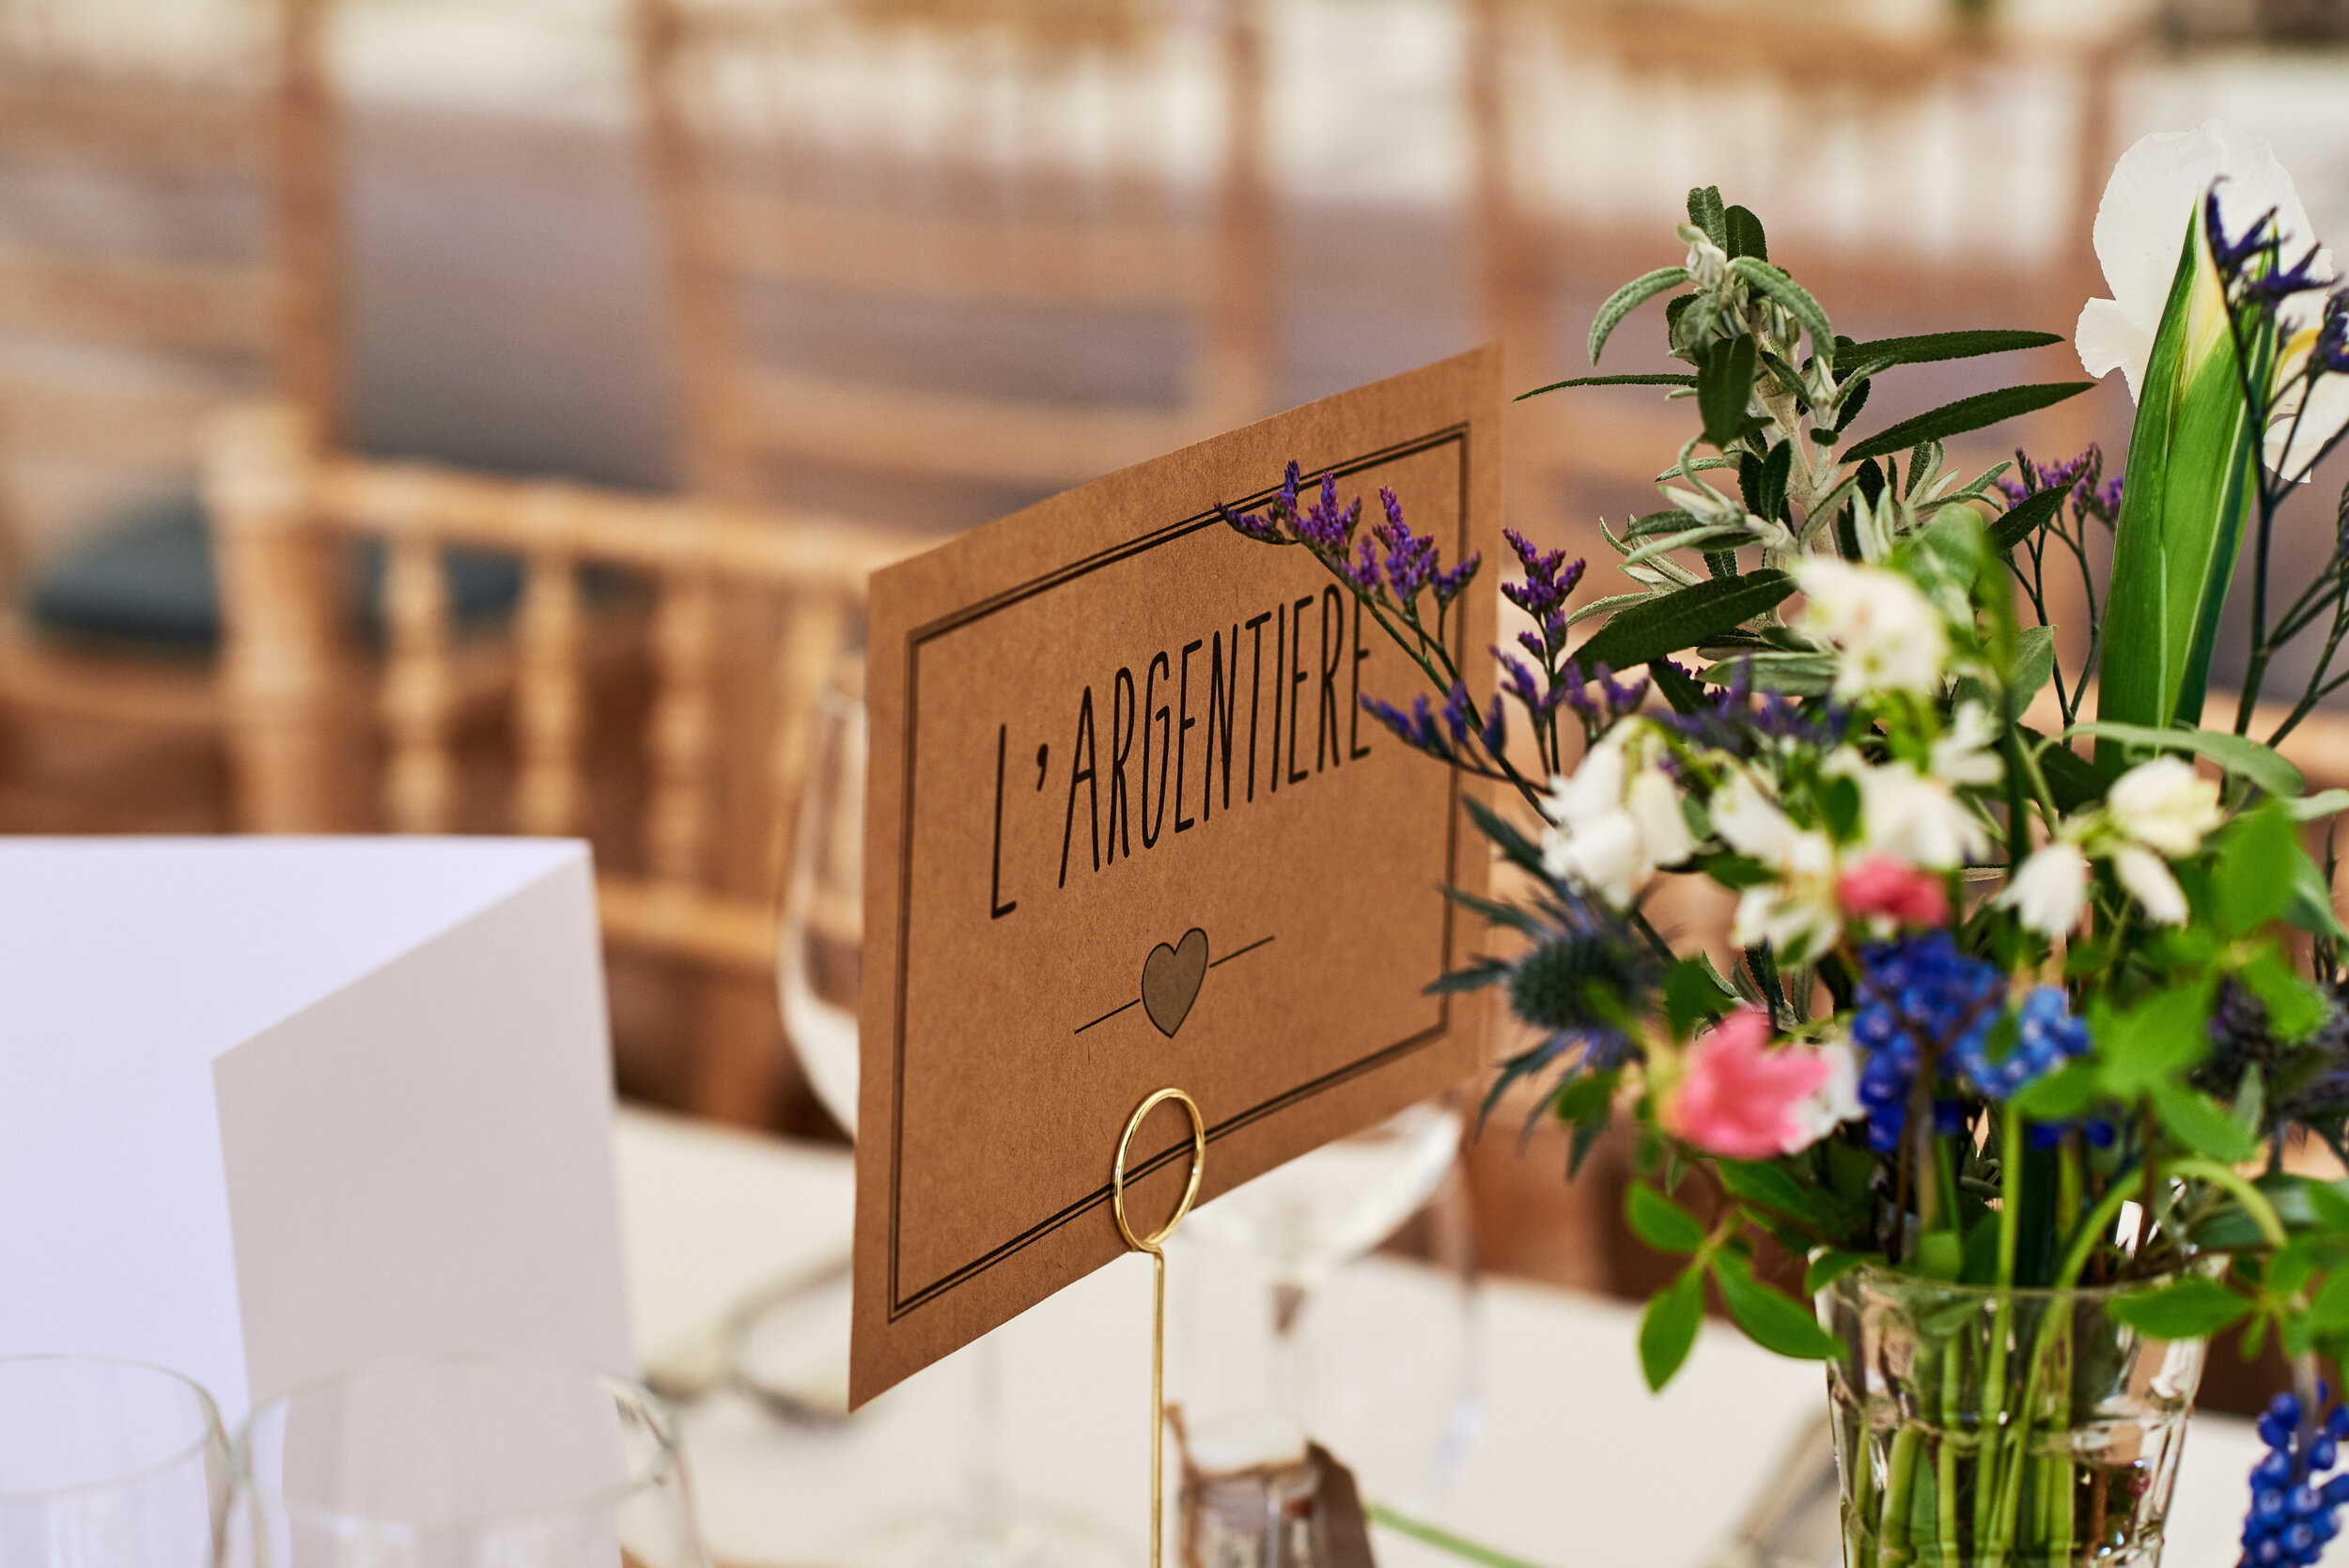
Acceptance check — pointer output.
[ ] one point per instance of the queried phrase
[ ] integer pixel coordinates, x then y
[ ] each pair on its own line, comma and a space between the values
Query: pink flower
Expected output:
1740, 1099
1889, 886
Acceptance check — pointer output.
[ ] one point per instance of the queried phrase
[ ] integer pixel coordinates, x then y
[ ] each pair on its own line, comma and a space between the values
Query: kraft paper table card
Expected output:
1128, 827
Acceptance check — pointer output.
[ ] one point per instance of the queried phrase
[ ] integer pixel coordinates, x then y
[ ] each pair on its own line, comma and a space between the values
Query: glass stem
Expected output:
983, 1484
1288, 1356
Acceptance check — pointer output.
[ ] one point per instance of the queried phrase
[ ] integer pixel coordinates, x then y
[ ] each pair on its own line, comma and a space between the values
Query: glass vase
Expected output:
1975, 1425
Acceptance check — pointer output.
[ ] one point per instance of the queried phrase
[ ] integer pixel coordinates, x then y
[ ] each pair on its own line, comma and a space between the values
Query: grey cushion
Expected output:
147, 578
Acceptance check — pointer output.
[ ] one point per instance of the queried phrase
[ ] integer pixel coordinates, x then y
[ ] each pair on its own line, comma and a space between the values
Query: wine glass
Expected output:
454, 1460
108, 1462
821, 960
1308, 1217
818, 968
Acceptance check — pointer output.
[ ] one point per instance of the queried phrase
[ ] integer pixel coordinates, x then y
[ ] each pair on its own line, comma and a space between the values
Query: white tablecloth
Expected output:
1556, 1454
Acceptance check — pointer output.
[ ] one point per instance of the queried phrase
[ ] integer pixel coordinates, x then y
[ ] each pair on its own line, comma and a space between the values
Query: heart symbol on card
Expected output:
1169, 980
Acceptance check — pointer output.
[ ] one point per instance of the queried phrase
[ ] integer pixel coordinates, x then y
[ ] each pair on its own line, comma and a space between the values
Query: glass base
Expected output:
1022, 1537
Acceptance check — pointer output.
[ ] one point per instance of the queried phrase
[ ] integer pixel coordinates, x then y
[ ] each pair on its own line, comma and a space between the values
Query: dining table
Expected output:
1509, 1413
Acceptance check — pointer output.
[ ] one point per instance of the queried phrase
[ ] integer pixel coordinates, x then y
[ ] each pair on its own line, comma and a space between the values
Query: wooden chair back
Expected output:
166, 241
970, 199
680, 876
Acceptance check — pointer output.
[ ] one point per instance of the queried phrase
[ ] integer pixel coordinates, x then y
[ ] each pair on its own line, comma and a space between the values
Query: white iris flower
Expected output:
2155, 193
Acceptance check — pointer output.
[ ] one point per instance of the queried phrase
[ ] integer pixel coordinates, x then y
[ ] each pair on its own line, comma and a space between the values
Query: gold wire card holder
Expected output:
1154, 1244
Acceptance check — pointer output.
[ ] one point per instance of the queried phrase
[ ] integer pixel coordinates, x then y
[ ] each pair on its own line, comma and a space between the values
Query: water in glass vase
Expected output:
1977, 1426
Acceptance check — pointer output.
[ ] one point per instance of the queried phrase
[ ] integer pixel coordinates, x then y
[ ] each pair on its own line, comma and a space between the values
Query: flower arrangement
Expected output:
2008, 1041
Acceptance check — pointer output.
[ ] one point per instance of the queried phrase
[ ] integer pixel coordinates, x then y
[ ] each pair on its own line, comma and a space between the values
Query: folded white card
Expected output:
272, 1107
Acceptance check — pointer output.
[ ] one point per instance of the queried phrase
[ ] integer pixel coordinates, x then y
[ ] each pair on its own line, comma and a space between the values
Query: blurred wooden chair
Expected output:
1805, 95
1001, 200
166, 244
687, 797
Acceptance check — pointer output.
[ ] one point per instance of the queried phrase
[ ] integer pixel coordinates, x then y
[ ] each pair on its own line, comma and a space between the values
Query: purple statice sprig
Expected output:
1736, 721
2331, 349
1594, 696
2093, 495
2261, 276
2259, 279
1395, 573
1391, 567
1454, 734
1547, 580
2090, 497
2239, 260
1542, 593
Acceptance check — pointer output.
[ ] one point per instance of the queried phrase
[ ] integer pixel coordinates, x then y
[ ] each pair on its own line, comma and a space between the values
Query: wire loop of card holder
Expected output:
1153, 1244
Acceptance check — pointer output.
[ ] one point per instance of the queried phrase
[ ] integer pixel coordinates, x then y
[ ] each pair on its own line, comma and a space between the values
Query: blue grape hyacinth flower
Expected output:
1915, 995
2294, 1510
2047, 1036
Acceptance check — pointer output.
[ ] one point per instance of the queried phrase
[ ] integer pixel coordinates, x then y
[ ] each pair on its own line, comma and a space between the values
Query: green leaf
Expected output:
1968, 413
1624, 300
2022, 520
1692, 992
2193, 460
1736, 872
2294, 1006
2062, 1094
1770, 1317
1838, 796
1679, 689
2291, 1268
1745, 234
1724, 388
2072, 779
1828, 1267
1855, 399
1704, 211
2237, 753
1766, 1185
2311, 906
1941, 1255
1770, 499
2164, 1033
2192, 1309
2196, 1120
1671, 520
1981, 1264
1484, 972
1666, 623
2328, 1205
1658, 380
1661, 1222
2254, 880
2312, 808
1509, 916
2033, 665
2251, 1101
1788, 295
1521, 851
1797, 674
1928, 346
1667, 1328
2329, 1311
